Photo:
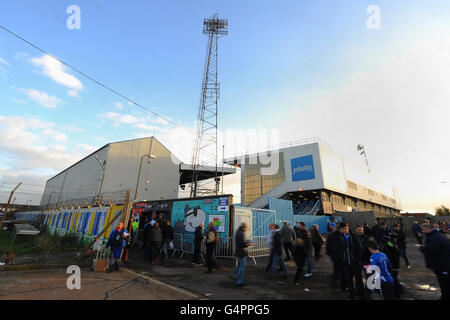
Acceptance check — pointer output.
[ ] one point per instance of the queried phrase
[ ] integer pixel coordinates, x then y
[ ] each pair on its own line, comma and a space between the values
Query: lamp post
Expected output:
362, 151
150, 156
49, 197
102, 164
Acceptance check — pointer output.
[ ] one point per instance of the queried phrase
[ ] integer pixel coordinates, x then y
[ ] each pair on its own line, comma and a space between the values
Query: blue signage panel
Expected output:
302, 168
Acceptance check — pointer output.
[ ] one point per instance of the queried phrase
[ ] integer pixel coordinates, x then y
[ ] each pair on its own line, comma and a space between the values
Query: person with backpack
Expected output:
116, 242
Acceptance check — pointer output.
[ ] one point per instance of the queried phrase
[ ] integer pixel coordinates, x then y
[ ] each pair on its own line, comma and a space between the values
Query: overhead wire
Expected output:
97, 82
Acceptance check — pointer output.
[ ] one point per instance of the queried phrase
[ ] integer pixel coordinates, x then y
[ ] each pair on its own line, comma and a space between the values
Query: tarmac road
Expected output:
177, 279
119, 285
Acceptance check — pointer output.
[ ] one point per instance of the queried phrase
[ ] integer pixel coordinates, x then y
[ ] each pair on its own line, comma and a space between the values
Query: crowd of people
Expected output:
355, 254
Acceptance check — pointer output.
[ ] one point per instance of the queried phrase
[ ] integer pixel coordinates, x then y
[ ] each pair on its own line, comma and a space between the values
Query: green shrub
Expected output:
46, 243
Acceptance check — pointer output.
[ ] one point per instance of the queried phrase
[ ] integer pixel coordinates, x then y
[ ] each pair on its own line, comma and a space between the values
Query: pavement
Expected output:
419, 283
178, 279
121, 285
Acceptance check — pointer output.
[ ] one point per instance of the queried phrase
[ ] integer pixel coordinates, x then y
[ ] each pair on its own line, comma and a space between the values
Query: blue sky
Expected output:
279, 60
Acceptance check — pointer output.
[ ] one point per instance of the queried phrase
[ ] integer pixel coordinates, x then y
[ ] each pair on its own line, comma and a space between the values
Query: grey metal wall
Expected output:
123, 168
82, 180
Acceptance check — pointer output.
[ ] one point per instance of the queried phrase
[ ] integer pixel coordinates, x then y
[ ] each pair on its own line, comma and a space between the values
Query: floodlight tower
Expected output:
205, 147
362, 151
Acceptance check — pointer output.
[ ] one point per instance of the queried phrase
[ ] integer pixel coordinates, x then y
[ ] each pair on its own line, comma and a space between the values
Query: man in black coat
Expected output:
437, 257
242, 244
277, 252
167, 235
332, 250
367, 230
305, 235
198, 238
350, 255
400, 241
417, 231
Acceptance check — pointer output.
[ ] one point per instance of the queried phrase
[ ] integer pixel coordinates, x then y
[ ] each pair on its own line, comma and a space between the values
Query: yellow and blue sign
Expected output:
302, 168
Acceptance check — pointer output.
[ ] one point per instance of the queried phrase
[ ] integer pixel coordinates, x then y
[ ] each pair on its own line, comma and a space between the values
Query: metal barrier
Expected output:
224, 247
178, 244
260, 248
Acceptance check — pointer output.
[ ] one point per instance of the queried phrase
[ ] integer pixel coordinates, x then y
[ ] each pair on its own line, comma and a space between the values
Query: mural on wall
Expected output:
188, 214
81, 221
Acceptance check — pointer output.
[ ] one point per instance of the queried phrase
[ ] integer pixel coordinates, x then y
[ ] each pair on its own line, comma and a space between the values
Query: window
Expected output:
352, 185
255, 184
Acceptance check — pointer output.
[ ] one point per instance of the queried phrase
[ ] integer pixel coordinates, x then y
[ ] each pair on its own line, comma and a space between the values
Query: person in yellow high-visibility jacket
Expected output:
134, 228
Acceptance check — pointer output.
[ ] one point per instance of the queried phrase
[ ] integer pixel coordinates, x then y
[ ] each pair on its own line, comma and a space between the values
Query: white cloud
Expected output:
20, 101
28, 149
119, 106
118, 119
73, 94
55, 135
3, 61
42, 98
56, 71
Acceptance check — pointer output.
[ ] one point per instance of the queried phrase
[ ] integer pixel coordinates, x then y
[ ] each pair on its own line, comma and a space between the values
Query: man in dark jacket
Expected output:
400, 241
167, 235
146, 240
375, 230
391, 251
350, 254
305, 235
364, 241
155, 238
367, 230
277, 252
198, 238
417, 231
365, 253
332, 250
437, 257
382, 232
287, 236
242, 244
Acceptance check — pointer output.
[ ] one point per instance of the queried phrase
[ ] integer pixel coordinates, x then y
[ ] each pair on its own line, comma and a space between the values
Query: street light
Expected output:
150, 156
49, 197
360, 148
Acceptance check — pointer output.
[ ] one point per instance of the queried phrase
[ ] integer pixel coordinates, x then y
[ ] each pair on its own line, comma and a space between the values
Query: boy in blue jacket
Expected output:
380, 260
117, 240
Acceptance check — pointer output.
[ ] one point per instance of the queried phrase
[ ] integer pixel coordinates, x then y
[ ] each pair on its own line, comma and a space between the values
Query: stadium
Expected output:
317, 179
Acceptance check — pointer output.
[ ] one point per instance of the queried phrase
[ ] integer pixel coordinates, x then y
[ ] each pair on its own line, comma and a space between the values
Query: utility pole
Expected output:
102, 164
223, 161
